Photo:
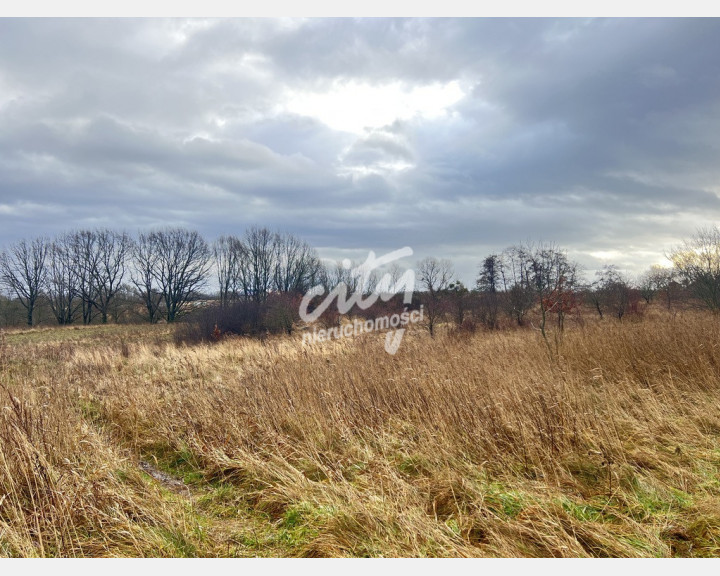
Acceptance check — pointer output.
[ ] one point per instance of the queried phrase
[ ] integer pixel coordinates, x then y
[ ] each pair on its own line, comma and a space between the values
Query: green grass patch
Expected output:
92, 411
504, 502
656, 501
411, 465
177, 544
584, 512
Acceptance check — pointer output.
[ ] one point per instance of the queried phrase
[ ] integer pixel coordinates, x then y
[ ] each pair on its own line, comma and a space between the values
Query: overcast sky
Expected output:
454, 137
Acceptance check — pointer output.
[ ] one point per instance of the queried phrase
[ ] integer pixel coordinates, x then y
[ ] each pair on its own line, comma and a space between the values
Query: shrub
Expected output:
276, 315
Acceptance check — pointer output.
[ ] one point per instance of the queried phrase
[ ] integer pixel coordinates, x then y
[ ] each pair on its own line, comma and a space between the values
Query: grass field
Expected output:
116, 442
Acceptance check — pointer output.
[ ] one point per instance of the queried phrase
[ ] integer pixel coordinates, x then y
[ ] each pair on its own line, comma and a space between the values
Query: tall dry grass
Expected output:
480, 445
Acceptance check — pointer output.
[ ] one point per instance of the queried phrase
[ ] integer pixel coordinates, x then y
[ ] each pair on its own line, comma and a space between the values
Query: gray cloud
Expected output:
600, 135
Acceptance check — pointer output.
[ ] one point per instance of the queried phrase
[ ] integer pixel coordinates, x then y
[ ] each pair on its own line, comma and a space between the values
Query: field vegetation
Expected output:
603, 440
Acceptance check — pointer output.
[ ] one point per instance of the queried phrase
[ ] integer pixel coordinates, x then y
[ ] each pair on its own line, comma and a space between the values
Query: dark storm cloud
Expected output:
601, 135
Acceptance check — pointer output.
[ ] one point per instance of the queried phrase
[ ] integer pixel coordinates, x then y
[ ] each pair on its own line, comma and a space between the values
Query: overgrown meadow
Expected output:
117, 441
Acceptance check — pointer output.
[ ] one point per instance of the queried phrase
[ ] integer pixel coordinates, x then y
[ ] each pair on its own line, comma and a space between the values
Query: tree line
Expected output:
159, 274
541, 280
85, 276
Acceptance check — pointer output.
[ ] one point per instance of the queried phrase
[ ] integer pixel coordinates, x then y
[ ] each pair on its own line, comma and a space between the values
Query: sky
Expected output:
455, 137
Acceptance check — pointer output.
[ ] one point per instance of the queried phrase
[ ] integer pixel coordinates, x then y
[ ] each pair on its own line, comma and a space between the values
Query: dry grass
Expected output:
457, 446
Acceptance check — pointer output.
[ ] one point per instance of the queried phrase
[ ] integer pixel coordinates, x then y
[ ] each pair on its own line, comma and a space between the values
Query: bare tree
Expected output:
697, 261
143, 276
649, 282
395, 273
594, 297
258, 260
23, 271
553, 278
108, 270
245, 271
661, 282
296, 264
181, 268
434, 277
83, 246
345, 272
61, 286
611, 291
515, 274
227, 251
263, 262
